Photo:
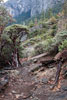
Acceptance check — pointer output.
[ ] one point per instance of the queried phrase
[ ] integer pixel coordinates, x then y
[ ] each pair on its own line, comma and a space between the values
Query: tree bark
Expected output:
14, 54
18, 59
15, 59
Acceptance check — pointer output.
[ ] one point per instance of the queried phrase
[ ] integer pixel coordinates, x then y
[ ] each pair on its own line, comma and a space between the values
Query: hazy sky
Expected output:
5, 0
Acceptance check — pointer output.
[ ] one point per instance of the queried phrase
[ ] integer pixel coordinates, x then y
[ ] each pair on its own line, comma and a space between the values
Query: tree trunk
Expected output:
15, 59
18, 59
14, 54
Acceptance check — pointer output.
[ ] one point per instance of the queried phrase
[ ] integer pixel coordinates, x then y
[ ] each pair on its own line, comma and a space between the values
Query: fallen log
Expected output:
48, 62
39, 56
57, 74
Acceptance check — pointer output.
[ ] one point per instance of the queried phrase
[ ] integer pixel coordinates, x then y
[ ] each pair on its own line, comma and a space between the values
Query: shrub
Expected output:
56, 41
45, 25
43, 46
31, 24
34, 33
63, 45
43, 31
61, 36
54, 26
53, 33
37, 32
50, 33
53, 20
49, 44
39, 48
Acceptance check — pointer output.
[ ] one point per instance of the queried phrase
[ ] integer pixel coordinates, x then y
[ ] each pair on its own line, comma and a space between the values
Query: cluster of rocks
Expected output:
4, 80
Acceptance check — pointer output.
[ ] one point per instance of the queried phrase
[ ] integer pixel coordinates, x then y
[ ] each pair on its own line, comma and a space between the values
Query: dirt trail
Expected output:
27, 85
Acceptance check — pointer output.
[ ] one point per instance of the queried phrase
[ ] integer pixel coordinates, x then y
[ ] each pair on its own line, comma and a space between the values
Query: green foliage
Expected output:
50, 43
49, 13
11, 38
6, 52
53, 20
32, 41
61, 36
63, 45
54, 29
43, 46
39, 48
54, 26
44, 25
37, 32
65, 8
56, 41
31, 24
34, 33
44, 38
50, 33
15, 27
14, 32
4, 16
42, 17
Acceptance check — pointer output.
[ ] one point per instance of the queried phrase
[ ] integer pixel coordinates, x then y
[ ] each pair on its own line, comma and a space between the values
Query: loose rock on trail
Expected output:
33, 82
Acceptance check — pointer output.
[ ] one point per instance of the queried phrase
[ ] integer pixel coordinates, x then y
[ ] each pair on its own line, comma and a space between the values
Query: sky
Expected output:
5, 0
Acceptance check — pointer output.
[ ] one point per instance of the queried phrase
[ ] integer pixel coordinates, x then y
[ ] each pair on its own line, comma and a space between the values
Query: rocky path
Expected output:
27, 85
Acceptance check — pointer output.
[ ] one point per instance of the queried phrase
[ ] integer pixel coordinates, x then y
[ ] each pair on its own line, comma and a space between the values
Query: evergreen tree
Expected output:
65, 8
11, 38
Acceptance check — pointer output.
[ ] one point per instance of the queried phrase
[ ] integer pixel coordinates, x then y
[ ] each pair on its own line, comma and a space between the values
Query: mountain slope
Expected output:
25, 9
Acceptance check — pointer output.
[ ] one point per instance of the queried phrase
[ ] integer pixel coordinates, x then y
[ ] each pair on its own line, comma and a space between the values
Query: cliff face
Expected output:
17, 7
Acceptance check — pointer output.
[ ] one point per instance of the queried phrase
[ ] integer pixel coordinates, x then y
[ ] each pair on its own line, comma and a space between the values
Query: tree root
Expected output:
57, 74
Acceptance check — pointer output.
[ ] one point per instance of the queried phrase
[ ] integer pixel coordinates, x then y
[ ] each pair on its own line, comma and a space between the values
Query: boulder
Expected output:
3, 82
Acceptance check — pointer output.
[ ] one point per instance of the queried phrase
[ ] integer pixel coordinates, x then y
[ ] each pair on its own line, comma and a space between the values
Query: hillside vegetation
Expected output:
33, 54
46, 36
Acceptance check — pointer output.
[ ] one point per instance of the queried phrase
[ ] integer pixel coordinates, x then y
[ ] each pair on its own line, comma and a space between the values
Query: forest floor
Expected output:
26, 84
